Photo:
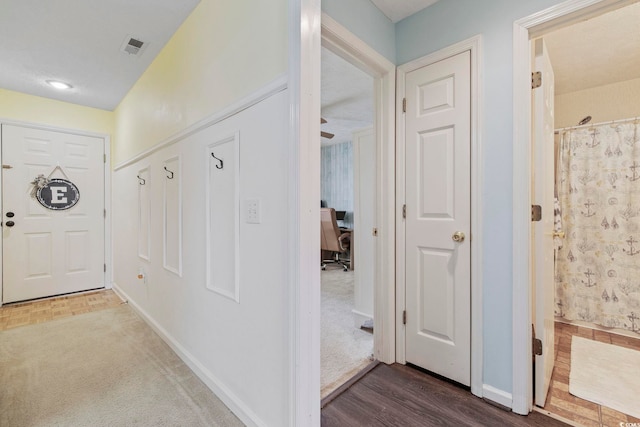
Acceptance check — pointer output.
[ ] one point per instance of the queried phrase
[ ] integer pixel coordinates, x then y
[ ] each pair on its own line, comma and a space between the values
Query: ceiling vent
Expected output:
133, 46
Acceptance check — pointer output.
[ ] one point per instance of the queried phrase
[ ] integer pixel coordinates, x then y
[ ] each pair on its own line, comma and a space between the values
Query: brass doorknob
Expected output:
458, 236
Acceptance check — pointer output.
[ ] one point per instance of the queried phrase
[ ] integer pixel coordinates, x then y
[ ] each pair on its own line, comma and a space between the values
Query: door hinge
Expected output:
536, 212
536, 79
404, 317
374, 232
105, 213
404, 211
105, 268
536, 344
104, 158
404, 105
537, 347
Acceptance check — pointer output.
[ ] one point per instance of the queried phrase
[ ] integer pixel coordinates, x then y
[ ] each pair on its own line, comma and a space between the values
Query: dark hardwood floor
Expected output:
397, 395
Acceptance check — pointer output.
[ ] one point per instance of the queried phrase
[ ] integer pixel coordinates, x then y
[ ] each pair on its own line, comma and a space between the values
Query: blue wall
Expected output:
440, 25
366, 21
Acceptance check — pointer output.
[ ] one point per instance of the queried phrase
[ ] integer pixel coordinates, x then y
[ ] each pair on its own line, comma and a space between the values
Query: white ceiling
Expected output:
347, 98
598, 51
397, 10
78, 42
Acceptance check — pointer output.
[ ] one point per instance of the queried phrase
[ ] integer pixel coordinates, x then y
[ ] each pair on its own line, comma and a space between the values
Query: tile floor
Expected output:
38, 311
560, 402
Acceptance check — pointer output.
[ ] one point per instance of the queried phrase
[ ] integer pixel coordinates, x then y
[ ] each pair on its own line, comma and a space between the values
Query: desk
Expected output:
351, 243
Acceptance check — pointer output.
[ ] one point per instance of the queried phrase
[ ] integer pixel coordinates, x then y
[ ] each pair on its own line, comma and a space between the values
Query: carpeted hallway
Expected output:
345, 349
104, 368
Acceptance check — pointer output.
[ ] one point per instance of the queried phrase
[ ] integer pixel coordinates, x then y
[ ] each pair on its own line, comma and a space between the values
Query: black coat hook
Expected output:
141, 181
220, 160
169, 177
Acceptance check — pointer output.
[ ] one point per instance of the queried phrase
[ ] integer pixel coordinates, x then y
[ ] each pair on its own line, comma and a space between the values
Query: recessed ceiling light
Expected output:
59, 85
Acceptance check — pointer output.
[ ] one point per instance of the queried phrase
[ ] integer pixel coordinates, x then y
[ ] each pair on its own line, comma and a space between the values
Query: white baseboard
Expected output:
233, 402
359, 318
496, 395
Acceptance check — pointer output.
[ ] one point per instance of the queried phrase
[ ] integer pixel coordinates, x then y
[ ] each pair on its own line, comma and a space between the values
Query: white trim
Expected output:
521, 304
233, 402
264, 92
304, 221
108, 245
340, 41
108, 251
496, 395
474, 45
178, 176
210, 162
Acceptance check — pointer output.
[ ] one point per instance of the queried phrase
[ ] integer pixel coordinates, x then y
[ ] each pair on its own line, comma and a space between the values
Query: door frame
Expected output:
343, 43
524, 30
108, 256
473, 44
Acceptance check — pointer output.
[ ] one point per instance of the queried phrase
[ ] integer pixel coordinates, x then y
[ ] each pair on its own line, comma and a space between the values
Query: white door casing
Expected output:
542, 231
49, 252
438, 205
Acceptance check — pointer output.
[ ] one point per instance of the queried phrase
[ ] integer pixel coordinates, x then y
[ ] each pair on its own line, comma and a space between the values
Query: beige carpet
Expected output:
106, 368
344, 349
605, 374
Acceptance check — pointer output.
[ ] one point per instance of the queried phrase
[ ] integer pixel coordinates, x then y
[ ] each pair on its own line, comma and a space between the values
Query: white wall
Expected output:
614, 101
241, 349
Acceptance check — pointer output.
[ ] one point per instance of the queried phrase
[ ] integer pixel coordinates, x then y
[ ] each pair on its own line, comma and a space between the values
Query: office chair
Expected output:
332, 239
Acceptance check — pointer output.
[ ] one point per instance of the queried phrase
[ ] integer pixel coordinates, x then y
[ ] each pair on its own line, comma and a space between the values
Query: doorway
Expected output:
585, 257
525, 301
377, 141
54, 212
347, 214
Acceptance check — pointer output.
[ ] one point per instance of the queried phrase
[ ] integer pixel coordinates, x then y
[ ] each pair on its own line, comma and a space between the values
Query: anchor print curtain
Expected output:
598, 266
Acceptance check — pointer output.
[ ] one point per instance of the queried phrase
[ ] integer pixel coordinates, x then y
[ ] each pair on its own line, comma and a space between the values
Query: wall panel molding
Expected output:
144, 213
172, 215
223, 217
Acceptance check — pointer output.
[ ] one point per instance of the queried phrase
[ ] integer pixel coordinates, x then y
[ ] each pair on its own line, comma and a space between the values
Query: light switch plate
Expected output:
253, 211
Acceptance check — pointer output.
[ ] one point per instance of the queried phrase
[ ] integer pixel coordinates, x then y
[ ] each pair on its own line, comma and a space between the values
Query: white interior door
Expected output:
50, 252
542, 231
438, 257
364, 176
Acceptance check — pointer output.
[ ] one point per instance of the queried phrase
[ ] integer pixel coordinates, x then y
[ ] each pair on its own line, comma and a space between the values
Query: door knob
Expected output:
10, 223
458, 236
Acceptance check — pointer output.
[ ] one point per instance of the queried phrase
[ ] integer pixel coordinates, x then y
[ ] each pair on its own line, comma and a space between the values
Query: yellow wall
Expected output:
29, 108
603, 103
224, 50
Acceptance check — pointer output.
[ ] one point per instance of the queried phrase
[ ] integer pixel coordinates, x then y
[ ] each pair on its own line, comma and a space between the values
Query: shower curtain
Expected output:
598, 266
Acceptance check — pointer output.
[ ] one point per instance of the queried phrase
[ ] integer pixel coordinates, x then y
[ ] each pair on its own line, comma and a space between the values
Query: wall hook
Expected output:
141, 181
220, 160
168, 177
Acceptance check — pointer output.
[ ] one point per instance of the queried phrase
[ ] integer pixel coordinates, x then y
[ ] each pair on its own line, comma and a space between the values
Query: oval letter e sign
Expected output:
58, 194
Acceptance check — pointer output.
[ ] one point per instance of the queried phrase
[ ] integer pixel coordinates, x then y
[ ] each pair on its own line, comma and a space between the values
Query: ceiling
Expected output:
347, 98
598, 51
79, 41
397, 10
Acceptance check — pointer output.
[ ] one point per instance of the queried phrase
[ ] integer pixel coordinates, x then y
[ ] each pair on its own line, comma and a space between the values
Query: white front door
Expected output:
50, 251
438, 217
542, 231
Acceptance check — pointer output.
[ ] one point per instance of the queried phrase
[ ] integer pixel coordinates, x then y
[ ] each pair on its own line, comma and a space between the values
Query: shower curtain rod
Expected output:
588, 125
